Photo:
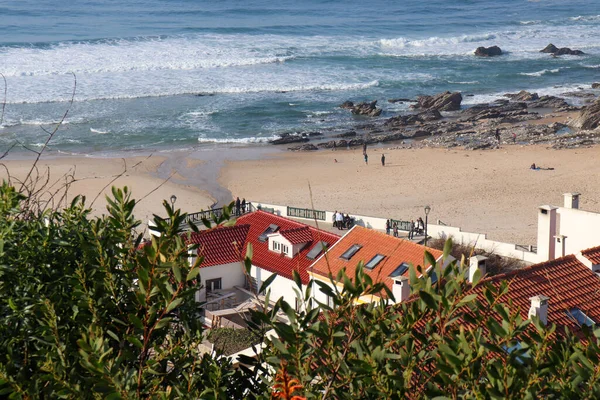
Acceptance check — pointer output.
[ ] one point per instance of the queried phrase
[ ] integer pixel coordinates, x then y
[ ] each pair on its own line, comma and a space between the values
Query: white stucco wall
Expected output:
280, 287
581, 229
231, 275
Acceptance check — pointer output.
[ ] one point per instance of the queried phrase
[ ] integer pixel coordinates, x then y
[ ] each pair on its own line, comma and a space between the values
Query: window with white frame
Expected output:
276, 246
284, 249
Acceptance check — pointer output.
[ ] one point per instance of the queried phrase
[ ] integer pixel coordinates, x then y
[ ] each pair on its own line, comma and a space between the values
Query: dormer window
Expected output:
276, 246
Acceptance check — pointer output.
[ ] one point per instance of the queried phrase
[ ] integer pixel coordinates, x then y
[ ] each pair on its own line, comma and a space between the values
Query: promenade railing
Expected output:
306, 213
402, 225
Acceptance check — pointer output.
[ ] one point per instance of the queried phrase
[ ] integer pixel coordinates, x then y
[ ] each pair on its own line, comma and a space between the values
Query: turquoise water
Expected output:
155, 75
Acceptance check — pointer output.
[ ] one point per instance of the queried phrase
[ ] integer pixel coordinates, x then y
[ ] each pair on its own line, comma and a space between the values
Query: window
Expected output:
276, 246
330, 301
402, 268
213, 284
271, 229
434, 277
348, 254
284, 249
316, 250
580, 317
374, 261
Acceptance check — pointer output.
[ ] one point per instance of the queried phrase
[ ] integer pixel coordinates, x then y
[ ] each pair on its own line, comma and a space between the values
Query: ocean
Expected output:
162, 76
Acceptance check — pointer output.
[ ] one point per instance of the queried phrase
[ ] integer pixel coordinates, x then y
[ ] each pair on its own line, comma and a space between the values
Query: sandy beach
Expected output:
491, 191
94, 177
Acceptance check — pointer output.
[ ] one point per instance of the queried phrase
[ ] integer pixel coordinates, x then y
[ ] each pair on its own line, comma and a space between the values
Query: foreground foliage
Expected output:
89, 313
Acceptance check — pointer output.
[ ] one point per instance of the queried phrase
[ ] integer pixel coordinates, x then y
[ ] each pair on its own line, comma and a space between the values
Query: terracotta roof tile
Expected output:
297, 235
221, 245
264, 258
566, 281
592, 254
395, 251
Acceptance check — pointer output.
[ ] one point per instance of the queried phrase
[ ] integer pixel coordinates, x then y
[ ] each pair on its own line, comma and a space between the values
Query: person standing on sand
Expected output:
365, 148
498, 135
334, 146
383, 160
366, 159
514, 137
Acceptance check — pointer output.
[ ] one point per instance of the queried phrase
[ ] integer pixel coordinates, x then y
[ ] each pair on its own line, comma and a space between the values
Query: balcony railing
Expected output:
306, 213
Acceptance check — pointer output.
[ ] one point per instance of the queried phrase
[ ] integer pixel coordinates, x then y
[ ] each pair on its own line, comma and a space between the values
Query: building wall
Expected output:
280, 287
231, 275
580, 228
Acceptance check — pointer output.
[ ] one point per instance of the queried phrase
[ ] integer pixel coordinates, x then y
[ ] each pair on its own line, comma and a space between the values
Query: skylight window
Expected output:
374, 261
316, 250
348, 254
271, 229
580, 317
402, 268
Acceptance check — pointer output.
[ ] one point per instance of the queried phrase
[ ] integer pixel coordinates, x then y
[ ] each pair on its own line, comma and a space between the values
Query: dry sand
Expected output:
491, 191
94, 178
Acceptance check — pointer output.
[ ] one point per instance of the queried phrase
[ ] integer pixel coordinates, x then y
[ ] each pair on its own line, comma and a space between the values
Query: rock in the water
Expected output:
596, 85
445, 101
399, 100
549, 102
287, 138
552, 49
589, 118
364, 108
488, 51
523, 95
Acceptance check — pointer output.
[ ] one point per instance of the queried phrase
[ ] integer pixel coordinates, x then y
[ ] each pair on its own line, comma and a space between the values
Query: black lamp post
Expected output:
173, 200
427, 209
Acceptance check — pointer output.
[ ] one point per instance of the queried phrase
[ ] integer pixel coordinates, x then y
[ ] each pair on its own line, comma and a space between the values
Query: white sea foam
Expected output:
249, 140
465, 82
533, 22
541, 73
586, 18
99, 131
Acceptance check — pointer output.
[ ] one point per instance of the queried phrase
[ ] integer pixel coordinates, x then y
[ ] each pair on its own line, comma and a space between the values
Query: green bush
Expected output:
229, 341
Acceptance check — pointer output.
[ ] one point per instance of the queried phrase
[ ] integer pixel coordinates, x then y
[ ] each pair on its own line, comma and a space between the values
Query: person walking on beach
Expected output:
514, 137
498, 135
334, 146
365, 148
383, 160
388, 227
238, 204
366, 159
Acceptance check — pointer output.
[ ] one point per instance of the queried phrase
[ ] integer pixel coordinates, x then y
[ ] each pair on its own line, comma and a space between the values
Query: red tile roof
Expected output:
297, 235
566, 281
592, 254
395, 250
221, 245
264, 258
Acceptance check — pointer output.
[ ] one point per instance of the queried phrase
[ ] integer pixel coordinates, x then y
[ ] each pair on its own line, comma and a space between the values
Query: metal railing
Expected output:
306, 213
402, 225
525, 247
198, 216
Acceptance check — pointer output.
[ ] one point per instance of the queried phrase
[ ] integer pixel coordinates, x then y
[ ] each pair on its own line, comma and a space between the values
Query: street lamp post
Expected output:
427, 209
173, 200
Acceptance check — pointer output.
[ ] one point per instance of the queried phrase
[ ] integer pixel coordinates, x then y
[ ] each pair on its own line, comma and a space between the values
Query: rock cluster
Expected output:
445, 101
589, 118
492, 51
365, 108
552, 49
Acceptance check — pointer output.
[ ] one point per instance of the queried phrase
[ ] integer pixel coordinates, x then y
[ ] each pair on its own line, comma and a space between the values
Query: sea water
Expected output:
153, 75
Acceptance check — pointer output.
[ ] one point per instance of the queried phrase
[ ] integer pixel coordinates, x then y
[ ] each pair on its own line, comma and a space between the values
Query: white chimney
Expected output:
539, 308
571, 200
477, 263
401, 288
560, 245
546, 232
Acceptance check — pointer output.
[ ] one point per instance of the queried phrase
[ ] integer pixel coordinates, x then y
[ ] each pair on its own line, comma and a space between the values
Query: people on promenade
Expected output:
243, 205
421, 225
366, 159
238, 205
395, 229
411, 232
334, 219
383, 160
339, 220
388, 226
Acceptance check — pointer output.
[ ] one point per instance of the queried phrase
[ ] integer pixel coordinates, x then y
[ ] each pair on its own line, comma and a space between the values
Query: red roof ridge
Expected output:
533, 267
291, 230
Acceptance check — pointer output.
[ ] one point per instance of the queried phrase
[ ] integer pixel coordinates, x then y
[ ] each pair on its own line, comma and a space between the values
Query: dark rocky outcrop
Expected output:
488, 51
287, 138
304, 147
523, 95
549, 102
400, 100
552, 49
596, 85
589, 118
445, 101
402, 120
346, 134
365, 108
